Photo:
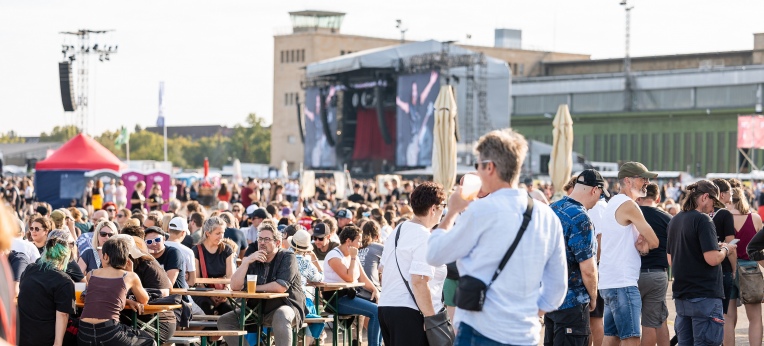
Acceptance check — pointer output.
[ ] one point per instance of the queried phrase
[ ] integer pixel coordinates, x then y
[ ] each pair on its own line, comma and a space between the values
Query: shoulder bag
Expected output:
750, 282
437, 327
203, 266
470, 294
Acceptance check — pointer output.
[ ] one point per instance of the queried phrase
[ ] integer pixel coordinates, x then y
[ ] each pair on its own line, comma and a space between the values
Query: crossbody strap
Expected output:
520, 232
397, 236
201, 260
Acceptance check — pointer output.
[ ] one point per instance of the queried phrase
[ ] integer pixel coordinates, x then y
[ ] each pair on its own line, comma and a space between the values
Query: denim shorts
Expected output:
623, 308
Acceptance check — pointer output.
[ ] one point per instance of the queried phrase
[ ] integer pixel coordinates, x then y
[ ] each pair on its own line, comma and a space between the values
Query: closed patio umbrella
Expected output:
561, 160
444, 143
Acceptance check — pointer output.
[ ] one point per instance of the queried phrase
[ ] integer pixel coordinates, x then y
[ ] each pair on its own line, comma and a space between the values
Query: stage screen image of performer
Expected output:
415, 118
318, 152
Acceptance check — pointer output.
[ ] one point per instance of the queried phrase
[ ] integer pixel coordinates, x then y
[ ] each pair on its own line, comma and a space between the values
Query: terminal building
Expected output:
673, 113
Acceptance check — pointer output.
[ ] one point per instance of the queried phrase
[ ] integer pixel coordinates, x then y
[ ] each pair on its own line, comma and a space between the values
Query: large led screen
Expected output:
318, 151
415, 118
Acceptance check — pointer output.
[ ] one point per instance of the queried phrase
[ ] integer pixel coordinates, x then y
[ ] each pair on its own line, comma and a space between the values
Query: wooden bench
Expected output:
206, 334
188, 340
206, 317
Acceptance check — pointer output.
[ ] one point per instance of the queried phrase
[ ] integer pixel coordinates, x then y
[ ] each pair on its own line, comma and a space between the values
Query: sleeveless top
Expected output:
105, 298
745, 234
620, 261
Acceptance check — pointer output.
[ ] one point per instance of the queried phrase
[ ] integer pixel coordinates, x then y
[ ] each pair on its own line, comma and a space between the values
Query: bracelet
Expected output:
725, 248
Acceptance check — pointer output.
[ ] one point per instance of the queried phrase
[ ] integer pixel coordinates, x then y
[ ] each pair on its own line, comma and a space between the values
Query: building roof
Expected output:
315, 13
24, 148
649, 57
81, 153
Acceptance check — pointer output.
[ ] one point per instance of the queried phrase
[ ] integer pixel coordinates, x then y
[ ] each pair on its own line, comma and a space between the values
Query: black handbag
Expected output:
437, 327
470, 293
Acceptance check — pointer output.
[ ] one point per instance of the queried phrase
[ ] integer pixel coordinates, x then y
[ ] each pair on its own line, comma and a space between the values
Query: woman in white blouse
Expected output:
341, 265
401, 317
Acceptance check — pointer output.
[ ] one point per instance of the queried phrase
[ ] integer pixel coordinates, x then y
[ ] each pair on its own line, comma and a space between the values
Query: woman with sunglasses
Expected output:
214, 259
90, 259
46, 297
39, 230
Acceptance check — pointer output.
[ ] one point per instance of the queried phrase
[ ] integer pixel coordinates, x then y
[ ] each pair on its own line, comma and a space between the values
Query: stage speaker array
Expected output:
65, 79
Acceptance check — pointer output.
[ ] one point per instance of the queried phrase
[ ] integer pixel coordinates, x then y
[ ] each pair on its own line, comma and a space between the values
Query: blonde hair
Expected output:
94, 243
740, 201
166, 221
7, 225
210, 225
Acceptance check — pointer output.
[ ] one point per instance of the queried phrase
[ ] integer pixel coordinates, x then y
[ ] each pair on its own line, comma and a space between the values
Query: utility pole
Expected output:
82, 53
403, 28
628, 92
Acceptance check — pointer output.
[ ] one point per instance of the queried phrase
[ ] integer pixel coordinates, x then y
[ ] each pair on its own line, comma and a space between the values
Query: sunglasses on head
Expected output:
155, 240
106, 234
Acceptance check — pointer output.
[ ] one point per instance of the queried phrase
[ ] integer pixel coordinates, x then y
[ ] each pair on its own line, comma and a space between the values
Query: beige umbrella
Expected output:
444, 143
561, 160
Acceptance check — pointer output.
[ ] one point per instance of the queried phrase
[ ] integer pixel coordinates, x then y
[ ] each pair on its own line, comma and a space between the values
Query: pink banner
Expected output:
750, 132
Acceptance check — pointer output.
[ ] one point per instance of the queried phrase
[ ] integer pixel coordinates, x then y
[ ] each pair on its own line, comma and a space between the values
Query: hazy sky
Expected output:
216, 56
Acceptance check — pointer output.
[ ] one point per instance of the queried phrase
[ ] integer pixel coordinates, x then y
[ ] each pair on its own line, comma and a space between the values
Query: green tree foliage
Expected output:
10, 137
60, 134
248, 143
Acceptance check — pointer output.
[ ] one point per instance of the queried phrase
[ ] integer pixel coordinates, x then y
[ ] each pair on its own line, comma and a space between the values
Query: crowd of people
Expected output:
592, 266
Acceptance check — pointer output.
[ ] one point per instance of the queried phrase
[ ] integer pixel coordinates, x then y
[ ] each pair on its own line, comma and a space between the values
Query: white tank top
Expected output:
620, 261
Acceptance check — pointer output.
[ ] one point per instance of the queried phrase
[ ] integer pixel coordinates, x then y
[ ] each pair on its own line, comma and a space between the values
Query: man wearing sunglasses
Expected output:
322, 244
620, 262
170, 258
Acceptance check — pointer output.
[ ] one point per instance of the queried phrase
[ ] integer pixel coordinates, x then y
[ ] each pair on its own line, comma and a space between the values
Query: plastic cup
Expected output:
79, 287
471, 185
251, 283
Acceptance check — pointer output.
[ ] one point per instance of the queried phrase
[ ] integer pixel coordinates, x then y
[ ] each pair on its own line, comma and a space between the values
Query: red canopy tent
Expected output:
81, 153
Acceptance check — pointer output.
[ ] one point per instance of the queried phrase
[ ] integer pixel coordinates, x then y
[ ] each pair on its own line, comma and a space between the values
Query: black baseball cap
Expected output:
320, 231
592, 178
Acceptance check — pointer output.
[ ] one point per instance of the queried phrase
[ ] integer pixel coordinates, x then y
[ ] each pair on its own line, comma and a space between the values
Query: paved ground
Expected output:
741, 330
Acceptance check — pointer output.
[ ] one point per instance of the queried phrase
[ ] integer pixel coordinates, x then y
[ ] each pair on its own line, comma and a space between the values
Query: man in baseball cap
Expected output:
344, 218
620, 260
322, 243
178, 230
593, 178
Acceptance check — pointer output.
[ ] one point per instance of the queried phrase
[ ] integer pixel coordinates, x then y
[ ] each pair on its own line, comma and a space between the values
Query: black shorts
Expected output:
599, 309
569, 327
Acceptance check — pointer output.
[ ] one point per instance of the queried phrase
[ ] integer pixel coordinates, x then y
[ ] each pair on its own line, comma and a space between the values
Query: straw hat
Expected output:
300, 241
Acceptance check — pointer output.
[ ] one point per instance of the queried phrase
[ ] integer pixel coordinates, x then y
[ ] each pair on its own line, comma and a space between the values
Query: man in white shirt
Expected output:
534, 280
178, 228
625, 235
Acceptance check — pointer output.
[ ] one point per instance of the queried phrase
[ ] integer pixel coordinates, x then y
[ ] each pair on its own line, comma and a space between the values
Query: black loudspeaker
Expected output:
65, 78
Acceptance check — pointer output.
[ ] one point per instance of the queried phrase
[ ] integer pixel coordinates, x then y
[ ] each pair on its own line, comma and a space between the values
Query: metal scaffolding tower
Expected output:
82, 53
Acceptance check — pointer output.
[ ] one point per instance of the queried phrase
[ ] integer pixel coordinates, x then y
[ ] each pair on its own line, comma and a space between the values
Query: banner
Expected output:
750, 132
415, 118
318, 152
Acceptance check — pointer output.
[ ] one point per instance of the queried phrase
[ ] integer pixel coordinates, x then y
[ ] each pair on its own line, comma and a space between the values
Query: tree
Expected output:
251, 143
60, 134
10, 138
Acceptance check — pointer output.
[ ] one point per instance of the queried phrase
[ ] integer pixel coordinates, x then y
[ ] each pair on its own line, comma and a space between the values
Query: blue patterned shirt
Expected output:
578, 231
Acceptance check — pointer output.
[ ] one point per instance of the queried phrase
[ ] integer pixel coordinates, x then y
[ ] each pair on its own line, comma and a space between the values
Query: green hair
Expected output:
56, 255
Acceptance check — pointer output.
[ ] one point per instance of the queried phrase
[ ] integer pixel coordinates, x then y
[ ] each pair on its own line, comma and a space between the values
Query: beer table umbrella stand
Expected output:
333, 302
239, 298
152, 325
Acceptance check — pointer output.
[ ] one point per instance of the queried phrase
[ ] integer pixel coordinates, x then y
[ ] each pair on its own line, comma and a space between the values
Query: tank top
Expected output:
745, 234
105, 298
620, 261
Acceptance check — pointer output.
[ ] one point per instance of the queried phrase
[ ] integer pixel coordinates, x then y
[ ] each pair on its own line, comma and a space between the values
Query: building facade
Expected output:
316, 36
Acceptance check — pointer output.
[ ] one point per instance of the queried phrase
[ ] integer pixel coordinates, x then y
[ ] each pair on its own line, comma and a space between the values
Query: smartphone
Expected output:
734, 241
201, 289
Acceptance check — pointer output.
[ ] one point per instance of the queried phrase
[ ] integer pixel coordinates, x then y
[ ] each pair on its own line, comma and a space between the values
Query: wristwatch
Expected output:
725, 248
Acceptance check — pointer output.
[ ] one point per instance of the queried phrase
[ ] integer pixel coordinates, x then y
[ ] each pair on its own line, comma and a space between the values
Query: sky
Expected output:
216, 57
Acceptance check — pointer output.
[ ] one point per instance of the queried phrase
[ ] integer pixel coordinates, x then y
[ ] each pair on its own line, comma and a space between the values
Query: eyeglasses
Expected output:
111, 210
477, 164
317, 239
36, 229
643, 178
264, 240
120, 215
236, 210
155, 240
106, 234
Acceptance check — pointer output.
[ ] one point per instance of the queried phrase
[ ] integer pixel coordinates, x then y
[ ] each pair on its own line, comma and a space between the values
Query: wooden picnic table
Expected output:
241, 296
148, 309
213, 281
333, 301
